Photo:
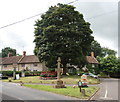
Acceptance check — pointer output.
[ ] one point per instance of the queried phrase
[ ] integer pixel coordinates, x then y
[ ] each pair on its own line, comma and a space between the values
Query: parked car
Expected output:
91, 75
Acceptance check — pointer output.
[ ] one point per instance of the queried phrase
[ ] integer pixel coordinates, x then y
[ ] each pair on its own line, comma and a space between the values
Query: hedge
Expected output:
9, 73
27, 73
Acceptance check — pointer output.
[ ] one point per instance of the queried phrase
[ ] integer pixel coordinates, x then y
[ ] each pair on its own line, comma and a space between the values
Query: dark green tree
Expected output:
109, 65
96, 48
62, 32
108, 52
5, 51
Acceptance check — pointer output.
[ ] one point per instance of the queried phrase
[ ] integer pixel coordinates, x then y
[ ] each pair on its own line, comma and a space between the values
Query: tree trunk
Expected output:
64, 69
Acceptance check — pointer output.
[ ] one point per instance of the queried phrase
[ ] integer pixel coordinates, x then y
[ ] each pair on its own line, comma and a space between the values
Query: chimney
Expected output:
9, 54
92, 54
24, 53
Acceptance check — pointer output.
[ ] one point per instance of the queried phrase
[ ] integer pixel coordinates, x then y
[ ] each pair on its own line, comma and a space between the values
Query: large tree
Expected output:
6, 50
62, 32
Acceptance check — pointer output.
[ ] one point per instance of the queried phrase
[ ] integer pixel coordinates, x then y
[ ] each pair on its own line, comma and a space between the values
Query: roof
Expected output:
92, 60
10, 60
30, 59
19, 59
34, 59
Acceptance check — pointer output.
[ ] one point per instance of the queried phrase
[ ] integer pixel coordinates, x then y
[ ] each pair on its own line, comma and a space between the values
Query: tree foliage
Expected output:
109, 64
62, 32
101, 51
5, 51
96, 48
107, 52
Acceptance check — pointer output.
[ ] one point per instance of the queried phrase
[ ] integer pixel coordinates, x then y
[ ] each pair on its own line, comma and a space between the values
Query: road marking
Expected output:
106, 92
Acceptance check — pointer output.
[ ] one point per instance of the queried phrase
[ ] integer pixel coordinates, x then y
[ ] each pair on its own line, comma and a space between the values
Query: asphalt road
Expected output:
108, 89
12, 91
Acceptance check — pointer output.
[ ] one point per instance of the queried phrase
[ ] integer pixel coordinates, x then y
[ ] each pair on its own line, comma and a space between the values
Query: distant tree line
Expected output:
7, 50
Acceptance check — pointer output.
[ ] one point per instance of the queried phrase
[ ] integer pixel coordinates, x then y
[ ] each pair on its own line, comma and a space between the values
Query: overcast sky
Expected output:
102, 15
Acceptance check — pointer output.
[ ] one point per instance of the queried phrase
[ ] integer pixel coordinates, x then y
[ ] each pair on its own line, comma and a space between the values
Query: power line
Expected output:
72, 2
28, 18
20, 21
102, 14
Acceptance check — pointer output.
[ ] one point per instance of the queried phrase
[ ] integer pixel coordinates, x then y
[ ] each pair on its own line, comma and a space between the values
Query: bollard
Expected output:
83, 92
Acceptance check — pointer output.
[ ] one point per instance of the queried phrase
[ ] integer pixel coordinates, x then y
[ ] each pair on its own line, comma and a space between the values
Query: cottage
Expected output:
92, 63
23, 62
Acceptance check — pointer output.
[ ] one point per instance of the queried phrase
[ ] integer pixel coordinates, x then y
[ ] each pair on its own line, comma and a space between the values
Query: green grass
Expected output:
69, 91
66, 80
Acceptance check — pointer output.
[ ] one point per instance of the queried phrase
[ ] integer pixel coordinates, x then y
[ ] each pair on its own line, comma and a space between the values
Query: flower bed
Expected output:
48, 75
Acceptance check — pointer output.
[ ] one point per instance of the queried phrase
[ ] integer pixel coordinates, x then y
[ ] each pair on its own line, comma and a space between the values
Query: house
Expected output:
92, 63
92, 60
23, 62
31, 62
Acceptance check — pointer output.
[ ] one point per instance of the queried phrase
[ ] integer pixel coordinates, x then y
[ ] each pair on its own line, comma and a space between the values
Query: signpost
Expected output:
17, 76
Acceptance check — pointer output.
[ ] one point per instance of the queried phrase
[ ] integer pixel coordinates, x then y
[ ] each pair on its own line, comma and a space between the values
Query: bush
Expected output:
7, 73
34, 73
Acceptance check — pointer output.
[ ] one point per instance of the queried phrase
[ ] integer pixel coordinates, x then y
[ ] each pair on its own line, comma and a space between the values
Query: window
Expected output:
93, 65
23, 65
35, 64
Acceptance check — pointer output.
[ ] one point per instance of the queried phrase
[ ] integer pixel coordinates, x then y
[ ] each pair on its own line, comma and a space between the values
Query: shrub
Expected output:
27, 73
34, 73
7, 73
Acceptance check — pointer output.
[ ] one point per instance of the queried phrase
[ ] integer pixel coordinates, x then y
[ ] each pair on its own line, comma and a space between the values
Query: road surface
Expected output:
108, 89
12, 91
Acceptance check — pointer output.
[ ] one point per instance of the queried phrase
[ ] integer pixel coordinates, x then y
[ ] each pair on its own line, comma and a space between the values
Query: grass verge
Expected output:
66, 80
69, 91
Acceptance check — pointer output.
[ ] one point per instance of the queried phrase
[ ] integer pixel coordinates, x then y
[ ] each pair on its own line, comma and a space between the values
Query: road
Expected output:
108, 89
12, 91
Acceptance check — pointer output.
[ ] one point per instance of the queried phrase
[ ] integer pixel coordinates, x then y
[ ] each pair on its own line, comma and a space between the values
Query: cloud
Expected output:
100, 14
103, 17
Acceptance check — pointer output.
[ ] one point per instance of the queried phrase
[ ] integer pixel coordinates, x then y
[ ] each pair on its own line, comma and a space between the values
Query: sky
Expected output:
101, 14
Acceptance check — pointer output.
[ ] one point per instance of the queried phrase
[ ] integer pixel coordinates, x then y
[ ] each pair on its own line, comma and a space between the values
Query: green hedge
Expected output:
27, 73
9, 73
34, 73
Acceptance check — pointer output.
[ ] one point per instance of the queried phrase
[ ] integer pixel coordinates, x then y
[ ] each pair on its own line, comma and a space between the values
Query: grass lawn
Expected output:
69, 91
66, 80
